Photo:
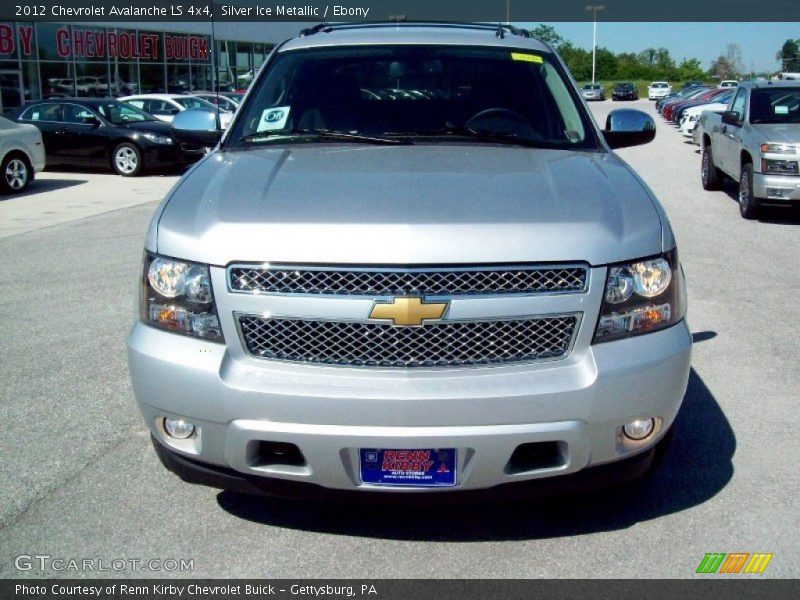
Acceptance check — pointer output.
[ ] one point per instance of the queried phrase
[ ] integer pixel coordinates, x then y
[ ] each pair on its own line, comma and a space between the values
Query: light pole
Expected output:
594, 9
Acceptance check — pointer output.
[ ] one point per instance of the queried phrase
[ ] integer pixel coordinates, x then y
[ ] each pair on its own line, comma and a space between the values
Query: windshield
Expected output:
416, 92
660, 85
119, 113
778, 105
194, 102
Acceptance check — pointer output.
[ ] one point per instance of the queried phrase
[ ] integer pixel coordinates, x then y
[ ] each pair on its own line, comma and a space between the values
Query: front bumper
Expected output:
776, 188
163, 155
331, 412
687, 127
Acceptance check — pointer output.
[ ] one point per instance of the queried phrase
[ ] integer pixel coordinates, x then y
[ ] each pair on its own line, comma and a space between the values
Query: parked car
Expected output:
691, 114
59, 86
673, 112
593, 91
692, 84
164, 107
624, 91
356, 336
687, 94
658, 89
102, 133
224, 101
21, 155
729, 83
89, 85
755, 142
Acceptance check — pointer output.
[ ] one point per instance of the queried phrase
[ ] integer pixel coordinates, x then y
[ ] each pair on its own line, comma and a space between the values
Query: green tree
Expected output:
789, 55
606, 64
690, 69
578, 60
547, 34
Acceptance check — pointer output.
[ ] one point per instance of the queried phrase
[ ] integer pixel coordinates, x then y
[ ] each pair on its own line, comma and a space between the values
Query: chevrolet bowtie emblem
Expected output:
408, 311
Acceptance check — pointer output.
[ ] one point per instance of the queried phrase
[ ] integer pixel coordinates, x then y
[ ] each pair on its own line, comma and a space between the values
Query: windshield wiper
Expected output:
497, 137
326, 134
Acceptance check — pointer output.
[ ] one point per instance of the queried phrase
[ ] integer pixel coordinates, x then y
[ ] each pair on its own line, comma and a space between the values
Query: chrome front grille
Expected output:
453, 343
530, 279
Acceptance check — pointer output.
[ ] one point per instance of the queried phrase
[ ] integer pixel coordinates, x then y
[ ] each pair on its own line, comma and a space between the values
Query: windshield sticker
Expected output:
781, 110
274, 118
526, 57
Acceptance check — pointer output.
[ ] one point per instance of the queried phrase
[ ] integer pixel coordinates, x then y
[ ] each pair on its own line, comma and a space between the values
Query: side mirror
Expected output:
196, 127
628, 127
730, 117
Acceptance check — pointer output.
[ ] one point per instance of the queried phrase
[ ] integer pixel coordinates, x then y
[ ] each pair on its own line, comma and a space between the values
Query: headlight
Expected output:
156, 138
176, 295
778, 149
640, 297
778, 167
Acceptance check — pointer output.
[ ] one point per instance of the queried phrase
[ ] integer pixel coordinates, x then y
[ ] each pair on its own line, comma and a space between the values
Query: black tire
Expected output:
710, 175
748, 204
15, 173
126, 160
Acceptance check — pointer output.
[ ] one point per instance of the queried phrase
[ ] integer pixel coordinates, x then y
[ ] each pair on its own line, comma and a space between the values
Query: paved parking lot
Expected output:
79, 479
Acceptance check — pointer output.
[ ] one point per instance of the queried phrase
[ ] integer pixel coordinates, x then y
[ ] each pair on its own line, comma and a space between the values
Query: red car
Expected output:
708, 95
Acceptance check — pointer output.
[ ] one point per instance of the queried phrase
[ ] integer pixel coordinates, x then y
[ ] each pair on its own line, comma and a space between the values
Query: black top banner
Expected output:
65, 11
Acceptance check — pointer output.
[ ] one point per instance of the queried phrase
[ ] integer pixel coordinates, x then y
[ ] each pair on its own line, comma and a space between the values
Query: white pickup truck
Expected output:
756, 142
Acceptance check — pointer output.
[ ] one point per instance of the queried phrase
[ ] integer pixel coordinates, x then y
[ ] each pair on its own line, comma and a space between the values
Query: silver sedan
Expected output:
593, 91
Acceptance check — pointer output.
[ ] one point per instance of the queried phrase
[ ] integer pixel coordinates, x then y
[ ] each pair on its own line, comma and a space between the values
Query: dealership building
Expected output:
41, 60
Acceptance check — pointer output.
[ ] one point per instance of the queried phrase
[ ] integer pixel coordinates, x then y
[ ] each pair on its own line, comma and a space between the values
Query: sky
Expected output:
759, 41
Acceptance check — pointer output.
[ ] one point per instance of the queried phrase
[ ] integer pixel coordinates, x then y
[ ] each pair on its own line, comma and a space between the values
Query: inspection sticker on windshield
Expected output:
781, 110
273, 118
526, 57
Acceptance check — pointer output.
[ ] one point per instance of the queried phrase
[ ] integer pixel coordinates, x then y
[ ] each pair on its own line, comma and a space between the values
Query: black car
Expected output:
624, 91
101, 132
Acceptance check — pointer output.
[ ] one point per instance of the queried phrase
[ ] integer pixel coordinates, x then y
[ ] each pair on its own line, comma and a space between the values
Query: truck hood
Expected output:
447, 203
781, 133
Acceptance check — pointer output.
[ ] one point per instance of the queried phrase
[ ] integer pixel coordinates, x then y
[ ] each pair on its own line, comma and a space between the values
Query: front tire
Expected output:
126, 160
710, 175
748, 204
16, 174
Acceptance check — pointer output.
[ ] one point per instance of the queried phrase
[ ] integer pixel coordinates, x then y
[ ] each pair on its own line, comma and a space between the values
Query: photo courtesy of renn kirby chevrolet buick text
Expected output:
412, 263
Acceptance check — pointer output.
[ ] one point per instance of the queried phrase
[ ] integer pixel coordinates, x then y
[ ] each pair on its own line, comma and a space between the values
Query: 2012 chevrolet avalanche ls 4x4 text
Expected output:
412, 263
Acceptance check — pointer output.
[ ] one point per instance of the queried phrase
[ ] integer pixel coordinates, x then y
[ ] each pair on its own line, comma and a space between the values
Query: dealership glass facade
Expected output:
41, 60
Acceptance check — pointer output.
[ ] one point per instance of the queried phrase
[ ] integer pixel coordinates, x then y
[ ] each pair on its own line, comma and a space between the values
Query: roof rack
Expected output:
500, 29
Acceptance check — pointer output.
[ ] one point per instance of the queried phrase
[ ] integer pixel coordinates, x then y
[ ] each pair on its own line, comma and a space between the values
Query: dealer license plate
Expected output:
403, 467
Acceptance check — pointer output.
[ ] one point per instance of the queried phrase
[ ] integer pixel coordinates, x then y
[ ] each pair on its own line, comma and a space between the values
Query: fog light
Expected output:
776, 192
178, 428
639, 429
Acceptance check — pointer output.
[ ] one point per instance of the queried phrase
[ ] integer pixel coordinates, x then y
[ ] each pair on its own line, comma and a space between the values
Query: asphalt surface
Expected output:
79, 479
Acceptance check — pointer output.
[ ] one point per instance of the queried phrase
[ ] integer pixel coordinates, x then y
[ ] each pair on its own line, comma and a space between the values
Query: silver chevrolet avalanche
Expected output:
413, 263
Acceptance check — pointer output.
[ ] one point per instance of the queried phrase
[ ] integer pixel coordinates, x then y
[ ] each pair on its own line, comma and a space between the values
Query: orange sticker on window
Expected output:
526, 57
